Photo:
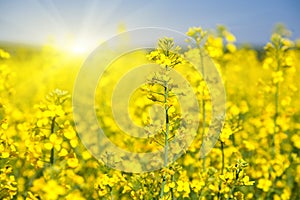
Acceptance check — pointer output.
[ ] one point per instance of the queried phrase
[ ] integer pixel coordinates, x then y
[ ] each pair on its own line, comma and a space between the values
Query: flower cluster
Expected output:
166, 54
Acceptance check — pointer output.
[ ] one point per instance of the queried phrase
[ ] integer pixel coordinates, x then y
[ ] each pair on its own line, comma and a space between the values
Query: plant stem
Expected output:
52, 150
172, 190
111, 194
222, 168
276, 99
166, 146
275, 119
203, 108
167, 126
223, 158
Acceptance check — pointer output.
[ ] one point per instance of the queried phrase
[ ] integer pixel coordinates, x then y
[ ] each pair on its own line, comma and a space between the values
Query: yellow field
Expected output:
257, 155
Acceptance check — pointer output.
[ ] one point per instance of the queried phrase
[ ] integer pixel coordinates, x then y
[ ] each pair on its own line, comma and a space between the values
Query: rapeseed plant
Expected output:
256, 156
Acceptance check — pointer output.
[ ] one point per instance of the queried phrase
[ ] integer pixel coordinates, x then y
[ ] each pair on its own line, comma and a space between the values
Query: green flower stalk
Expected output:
199, 36
276, 50
167, 56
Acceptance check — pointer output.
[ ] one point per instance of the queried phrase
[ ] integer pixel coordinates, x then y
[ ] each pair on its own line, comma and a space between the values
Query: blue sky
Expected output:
33, 21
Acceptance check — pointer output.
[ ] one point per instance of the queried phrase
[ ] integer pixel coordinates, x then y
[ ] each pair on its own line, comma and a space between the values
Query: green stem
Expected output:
172, 190
52, 160
223, 158
166, 146
231, 190
203, 108
222, 168
276, 99
52, 156
167, 127
275, 119
111, 194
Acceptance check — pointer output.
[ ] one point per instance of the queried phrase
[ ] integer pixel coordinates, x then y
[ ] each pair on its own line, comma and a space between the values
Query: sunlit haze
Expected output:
88, 22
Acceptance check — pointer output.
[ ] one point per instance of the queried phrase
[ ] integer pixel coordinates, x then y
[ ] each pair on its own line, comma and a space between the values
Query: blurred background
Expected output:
86, 23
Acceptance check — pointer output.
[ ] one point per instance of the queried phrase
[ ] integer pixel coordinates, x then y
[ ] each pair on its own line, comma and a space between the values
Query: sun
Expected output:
79, 49
82, 46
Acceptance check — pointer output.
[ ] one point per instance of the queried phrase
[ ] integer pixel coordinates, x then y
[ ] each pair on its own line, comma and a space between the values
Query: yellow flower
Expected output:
53, 190
264, 184
74, 142
4, 54
127, 188
248, 145
4, 124
229, 36
268, 62
54, 142
73, 162
277, 77
183, 187
197, 185
69, 133
246, 181
226, 133
166, 189
296, 140
213, 188
86, 155
286, 194
63, 152
231, 47
5, 154
75, 195
191, 32
42, 122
